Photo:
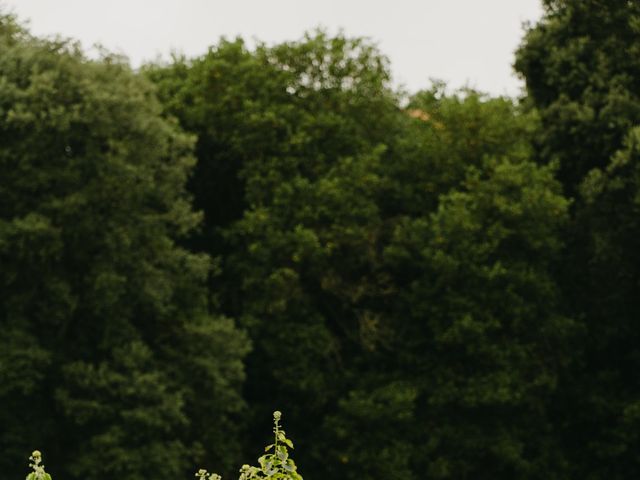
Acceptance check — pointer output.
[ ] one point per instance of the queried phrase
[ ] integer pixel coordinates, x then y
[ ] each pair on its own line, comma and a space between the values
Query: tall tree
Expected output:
582, 71
109, 357
270, 123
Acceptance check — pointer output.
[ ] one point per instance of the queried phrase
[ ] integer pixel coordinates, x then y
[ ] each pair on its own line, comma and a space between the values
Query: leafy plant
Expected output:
38, 467
276, 465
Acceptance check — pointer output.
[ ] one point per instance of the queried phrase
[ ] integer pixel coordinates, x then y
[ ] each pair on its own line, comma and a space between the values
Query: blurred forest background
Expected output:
440, 285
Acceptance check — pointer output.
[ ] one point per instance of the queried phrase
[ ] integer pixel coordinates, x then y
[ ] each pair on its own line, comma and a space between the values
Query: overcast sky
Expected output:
464, 42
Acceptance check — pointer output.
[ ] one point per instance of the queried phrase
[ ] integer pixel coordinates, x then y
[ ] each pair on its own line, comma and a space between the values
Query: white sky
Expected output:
464, 42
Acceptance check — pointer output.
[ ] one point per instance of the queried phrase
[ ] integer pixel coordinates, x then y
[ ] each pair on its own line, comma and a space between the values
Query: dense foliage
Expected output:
443, 285
109, 354
582, 70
